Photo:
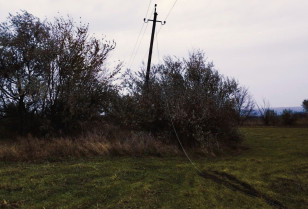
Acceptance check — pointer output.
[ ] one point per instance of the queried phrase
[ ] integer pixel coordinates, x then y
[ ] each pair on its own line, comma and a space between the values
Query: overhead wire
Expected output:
158, 57
139, 43
146, 15
171, 9
142, 39
135, 50
169, 12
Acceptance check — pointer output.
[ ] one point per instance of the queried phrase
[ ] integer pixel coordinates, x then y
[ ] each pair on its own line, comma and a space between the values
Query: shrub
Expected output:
305, 105
270, 117
187, 95
267, 115
288, 117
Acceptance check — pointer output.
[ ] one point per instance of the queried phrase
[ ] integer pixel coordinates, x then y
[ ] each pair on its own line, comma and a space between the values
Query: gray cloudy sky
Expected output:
261, 43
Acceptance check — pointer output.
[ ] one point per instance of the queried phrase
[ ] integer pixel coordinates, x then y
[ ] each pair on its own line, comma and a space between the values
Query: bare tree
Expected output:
268, 115
244, 104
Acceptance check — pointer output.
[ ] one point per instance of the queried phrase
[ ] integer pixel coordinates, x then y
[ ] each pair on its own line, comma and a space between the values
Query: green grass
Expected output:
276, 165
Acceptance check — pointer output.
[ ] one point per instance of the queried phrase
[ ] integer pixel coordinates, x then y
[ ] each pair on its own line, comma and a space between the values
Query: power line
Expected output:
139, 44
169, 12
171, 9
146, 15
158, 57
134, 52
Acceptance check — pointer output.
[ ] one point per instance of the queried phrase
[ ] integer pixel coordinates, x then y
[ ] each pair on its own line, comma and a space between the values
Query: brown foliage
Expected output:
90, 145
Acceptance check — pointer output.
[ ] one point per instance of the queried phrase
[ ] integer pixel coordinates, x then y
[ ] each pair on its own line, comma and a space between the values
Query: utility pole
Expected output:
147, 77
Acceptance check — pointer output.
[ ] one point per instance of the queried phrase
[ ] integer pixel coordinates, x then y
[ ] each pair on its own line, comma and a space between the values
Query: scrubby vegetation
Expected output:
55, 84
33, 149
266, 115
288, 117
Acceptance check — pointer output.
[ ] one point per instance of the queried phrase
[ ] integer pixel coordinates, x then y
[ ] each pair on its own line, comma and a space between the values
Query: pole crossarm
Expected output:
148, 20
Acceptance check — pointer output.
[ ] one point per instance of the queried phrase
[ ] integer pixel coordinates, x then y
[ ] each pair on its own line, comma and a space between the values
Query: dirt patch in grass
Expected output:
235, 184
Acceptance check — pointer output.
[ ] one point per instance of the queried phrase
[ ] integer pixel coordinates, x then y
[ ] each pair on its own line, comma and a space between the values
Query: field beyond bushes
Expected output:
271, 173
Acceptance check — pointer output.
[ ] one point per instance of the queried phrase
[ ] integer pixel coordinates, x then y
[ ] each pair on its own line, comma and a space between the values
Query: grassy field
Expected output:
272, 173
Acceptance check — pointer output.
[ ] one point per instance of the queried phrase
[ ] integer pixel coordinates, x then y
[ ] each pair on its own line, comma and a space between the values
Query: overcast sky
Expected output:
261, 43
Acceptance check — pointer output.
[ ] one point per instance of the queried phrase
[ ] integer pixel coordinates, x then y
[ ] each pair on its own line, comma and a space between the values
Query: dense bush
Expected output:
288, 117
270, 117
51, 75
305, 105
187, 95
